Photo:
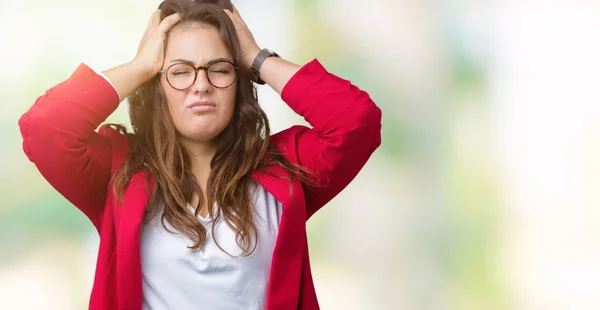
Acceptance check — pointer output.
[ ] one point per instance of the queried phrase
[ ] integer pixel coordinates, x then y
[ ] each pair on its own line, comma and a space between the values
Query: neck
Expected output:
201, 154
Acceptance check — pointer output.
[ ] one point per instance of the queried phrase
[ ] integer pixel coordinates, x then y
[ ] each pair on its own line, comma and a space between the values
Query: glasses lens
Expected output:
181, 76
221, 74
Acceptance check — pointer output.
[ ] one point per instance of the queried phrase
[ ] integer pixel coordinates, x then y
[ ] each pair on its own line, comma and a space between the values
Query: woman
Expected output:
200, 207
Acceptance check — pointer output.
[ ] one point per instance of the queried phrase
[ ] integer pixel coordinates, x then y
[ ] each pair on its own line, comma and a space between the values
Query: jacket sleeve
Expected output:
346, 130
60, 138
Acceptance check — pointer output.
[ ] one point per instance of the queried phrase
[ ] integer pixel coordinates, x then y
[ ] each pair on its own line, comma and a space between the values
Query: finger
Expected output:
230, 14
236, 12
154, 19
168, 22
237, 21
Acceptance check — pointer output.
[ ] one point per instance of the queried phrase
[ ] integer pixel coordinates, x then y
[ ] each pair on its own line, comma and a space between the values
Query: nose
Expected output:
201, 84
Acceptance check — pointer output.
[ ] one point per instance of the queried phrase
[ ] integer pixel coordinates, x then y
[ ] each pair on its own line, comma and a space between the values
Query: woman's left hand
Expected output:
249, 47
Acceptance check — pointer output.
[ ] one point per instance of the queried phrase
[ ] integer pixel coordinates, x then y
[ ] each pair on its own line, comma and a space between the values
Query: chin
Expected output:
200, 137
201, 134
202, 129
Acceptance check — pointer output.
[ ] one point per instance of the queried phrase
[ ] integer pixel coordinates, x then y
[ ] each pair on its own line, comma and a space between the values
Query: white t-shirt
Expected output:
176, 277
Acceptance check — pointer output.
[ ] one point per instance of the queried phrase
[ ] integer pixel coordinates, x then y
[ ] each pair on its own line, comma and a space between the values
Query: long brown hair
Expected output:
243, 146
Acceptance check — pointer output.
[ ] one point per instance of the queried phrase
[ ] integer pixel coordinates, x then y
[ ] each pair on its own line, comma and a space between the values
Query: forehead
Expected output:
199, 44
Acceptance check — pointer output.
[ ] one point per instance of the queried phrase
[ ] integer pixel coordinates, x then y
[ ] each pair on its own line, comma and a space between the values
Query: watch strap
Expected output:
258, 62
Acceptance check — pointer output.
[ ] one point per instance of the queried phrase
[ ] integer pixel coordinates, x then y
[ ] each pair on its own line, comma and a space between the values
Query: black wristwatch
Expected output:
257, 63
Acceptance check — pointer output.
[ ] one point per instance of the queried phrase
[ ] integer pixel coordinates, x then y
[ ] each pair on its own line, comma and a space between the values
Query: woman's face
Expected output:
202, 111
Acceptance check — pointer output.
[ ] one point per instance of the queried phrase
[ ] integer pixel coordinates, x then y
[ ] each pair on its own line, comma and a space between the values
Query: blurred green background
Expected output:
483, 194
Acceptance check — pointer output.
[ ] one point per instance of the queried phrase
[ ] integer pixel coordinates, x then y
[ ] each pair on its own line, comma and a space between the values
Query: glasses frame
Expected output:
196, 69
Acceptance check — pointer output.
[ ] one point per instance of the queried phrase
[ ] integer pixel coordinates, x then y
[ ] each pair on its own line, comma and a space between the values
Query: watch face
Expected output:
271, 52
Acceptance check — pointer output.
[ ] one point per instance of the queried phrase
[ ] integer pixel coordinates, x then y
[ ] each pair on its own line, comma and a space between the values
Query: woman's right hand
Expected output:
150, 55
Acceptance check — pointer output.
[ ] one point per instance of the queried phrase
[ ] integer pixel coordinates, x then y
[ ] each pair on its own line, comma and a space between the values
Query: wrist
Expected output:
249, 57
142, 72
258, 62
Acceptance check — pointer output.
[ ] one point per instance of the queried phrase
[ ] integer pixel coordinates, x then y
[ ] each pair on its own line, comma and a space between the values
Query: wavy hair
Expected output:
242, 148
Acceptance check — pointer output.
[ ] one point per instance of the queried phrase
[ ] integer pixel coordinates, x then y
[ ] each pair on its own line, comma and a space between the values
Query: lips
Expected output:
202, 106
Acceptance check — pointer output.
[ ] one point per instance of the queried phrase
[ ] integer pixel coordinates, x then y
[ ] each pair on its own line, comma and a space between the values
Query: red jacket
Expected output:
60, 137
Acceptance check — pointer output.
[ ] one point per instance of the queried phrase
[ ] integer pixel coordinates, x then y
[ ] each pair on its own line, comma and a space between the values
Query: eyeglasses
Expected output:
220, 74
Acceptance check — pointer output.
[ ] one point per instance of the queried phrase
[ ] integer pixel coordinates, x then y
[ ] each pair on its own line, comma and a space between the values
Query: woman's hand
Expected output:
276, 72
249, 47
150, 55
149, 59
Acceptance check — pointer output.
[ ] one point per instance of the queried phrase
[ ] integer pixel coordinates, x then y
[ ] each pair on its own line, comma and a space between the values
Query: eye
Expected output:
182, 72
219, 71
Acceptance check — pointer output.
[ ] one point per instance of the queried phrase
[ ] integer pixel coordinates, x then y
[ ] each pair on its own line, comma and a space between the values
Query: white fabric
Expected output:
175, 277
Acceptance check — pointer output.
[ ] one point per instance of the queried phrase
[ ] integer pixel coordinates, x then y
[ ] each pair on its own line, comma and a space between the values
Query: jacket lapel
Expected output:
286, 266
128, 223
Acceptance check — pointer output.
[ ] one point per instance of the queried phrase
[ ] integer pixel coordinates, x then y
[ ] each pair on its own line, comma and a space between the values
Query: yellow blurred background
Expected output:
484, 194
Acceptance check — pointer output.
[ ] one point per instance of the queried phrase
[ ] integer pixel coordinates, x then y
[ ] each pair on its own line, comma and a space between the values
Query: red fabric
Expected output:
59, 137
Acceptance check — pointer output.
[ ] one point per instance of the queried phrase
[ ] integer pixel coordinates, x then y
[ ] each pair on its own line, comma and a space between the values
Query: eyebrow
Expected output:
189, 62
